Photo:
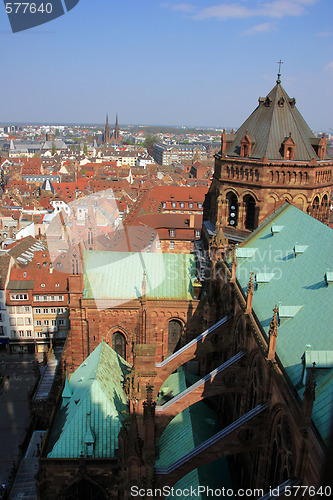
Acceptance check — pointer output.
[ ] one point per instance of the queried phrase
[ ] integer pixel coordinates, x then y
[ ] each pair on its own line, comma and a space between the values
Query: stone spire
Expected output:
273, 333
249, 297
144, 285
233, 266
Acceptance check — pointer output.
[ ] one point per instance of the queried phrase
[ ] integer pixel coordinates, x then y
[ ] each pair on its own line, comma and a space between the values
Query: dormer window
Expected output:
267, 102
288, 147
246, 146
322, 147
281, 102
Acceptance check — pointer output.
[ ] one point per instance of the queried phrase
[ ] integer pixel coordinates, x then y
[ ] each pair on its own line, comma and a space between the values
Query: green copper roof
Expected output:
119, 275
300, 291
94, 411
186, 431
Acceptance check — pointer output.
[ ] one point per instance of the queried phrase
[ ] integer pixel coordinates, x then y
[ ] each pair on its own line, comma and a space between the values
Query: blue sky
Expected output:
196, 62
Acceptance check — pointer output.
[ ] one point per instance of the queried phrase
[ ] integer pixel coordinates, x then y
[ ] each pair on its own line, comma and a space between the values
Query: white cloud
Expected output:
329, 66
183, 7
275, 9
260, 28
324, 33
281, 8
224, 11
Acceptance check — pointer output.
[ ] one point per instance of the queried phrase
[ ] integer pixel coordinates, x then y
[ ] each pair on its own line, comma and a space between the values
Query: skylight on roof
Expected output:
288, 311
299, 249
328, 277
276, 229
245, 252
322, 359
264, 277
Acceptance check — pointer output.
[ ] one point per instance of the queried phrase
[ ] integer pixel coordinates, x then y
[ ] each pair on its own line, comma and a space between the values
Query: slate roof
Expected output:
298, 281
270, 125
93, 406
119, 275
186, 431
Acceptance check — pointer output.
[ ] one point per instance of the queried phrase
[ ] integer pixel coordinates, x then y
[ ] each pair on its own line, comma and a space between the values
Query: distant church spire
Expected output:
107, 132
116, 133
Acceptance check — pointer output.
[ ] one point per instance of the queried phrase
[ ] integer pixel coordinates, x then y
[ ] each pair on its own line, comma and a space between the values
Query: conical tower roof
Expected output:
274, 120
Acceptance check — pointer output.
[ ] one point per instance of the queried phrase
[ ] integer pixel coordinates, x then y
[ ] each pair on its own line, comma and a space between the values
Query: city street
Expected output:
14, 410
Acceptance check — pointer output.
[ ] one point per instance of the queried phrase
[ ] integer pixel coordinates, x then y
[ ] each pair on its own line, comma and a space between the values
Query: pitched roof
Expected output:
94, 405
23, 250
270, 123
297, 281
4, 269
119, 275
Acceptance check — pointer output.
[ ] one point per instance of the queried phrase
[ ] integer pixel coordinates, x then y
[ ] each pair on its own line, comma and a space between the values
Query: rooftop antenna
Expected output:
279, 73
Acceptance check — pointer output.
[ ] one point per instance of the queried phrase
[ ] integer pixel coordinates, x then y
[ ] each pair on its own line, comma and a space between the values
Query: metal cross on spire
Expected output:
279, 73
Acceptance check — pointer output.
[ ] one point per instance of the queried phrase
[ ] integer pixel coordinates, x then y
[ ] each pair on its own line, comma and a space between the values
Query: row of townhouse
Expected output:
33, 305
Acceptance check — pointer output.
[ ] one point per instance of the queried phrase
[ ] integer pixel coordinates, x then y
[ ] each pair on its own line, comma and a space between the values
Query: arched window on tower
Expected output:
315, 207
324, 209
90, 236
175, 330
250, 212
233, 209
119, 344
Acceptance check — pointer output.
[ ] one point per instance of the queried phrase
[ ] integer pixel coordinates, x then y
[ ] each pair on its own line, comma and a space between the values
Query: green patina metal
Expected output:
119, 275
93, 407
299, 280
187, 430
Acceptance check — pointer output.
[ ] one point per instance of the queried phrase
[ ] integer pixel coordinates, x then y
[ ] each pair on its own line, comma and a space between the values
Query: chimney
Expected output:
191, 220
223, 142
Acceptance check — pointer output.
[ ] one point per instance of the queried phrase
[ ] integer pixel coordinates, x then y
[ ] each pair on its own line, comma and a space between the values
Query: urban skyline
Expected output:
195, 63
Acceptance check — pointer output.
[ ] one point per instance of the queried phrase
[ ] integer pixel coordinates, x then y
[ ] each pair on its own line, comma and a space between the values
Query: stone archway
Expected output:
84, 489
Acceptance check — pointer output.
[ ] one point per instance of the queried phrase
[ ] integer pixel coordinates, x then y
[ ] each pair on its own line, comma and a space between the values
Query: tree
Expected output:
54, 149
149, 143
